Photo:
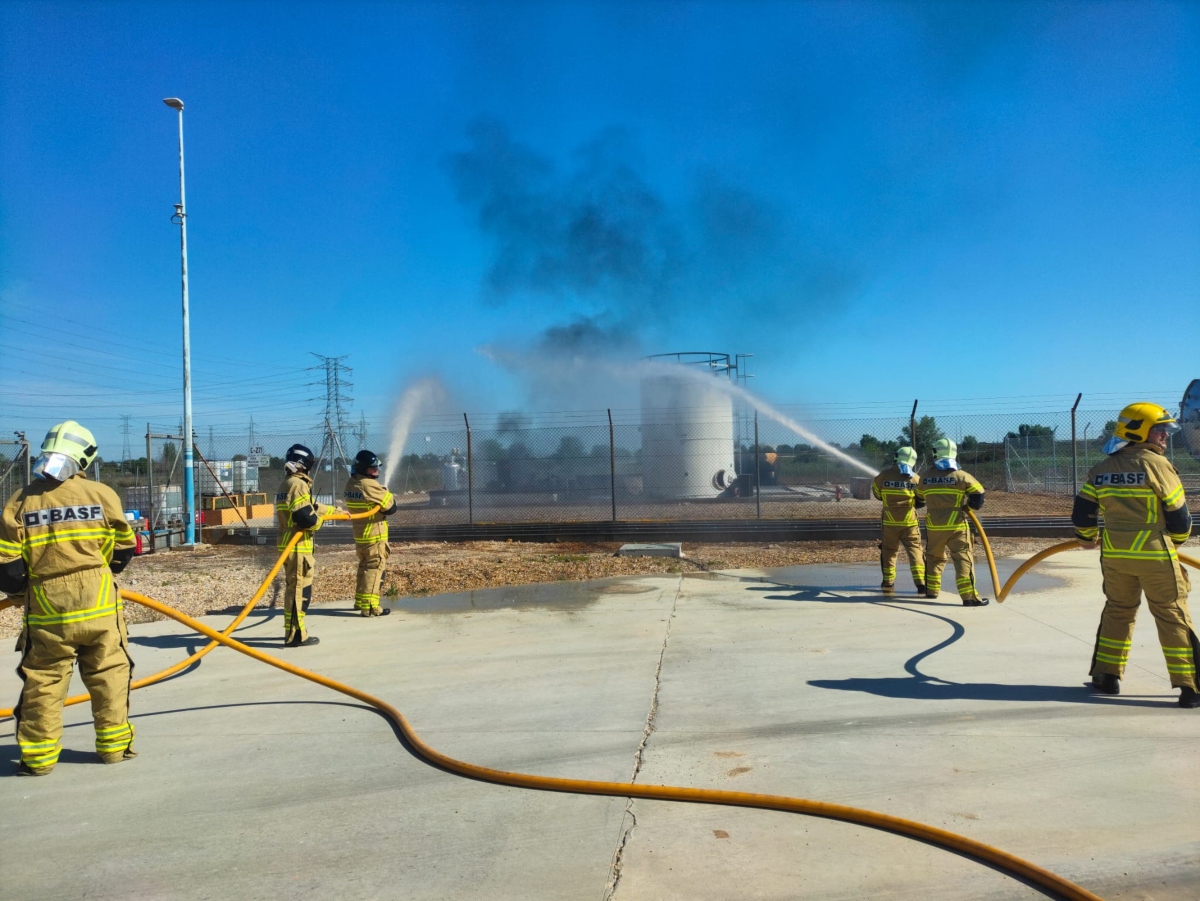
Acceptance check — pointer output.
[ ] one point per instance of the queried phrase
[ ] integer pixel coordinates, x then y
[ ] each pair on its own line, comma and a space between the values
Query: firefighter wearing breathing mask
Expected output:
296, 511
363, 493
62, 538
948, 492
1138, 493
896, 486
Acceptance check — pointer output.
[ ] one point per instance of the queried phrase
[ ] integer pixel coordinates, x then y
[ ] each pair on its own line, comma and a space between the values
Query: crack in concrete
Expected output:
629, 818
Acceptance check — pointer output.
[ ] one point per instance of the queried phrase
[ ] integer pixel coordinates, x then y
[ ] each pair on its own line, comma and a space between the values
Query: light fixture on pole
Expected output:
189, 489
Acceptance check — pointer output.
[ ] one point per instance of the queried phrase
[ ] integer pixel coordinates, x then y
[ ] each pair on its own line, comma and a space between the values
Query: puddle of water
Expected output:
865, 577
547, 596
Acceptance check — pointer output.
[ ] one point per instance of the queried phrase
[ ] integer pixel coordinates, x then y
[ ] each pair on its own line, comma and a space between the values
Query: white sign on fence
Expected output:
256, 459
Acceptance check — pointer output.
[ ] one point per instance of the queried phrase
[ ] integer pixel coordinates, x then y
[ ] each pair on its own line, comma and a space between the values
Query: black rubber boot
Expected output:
976, 602
920, 588
886, 587
307, 643
1189, 697
1107, 683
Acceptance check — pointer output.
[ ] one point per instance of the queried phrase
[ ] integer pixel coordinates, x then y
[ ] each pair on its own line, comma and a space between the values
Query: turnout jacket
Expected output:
58, 529
946, 493
362, 493
1139, 494
899, 495
296, 511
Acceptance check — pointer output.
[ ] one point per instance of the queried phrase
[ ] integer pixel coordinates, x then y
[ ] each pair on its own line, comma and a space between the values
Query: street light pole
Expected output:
189, 487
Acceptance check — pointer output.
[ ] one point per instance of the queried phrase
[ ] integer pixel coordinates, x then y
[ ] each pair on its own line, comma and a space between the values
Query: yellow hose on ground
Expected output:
987, 549
184, 664
1003, 591
952, 841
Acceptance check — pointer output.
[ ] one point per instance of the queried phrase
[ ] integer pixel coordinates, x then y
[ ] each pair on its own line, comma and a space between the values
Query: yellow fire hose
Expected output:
184, 664
943, 838
1002, 591
931, 834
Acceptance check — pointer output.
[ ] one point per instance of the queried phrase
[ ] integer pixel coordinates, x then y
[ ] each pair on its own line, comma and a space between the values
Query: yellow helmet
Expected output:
73, 441
945, 449
1135, 421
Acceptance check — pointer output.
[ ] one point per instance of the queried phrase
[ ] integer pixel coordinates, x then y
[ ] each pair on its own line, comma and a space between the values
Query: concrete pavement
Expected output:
254, 784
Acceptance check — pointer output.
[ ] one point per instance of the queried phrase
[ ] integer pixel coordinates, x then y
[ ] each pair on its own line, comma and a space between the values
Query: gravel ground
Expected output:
221, 579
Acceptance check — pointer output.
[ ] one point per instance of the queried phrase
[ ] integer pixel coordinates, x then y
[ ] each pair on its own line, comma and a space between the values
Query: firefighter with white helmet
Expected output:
296, 511
62, 538
1140, 497
363, 492
896, 486
948, 491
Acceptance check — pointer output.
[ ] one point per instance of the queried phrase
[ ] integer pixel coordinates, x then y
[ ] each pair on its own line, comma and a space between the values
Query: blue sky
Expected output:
964, 202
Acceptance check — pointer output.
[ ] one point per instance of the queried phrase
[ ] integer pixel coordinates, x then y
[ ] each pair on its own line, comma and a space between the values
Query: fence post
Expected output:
612, 466
1075, 449
912, 426
28, 457
470, 476
150, 490
757, 471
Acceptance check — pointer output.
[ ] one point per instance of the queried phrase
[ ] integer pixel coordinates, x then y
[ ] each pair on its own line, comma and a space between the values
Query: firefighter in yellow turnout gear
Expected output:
1138, 493
363, 492
61, 540
947, 492
296, 511
896, 486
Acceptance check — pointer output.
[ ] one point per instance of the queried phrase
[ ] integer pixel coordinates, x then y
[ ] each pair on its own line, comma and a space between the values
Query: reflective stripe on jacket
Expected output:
294, 494
65, 530
899, 494
362, 493
945, 494
1134, 488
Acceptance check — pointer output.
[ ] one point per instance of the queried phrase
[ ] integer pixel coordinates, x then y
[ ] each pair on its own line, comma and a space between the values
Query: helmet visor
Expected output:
58, 467
1166, 428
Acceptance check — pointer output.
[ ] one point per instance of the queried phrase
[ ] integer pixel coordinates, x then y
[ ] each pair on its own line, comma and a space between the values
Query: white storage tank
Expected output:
687, 431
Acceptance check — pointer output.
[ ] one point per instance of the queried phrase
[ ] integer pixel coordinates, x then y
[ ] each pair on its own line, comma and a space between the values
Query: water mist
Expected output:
418, 398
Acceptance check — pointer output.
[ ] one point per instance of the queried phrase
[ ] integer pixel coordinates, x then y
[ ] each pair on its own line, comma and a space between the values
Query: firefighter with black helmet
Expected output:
896, 486
62, 538
949, 491
297, 511
1140, 497
363, 492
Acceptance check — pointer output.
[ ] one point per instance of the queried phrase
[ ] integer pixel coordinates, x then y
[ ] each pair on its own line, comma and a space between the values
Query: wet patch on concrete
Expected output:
561, 596
865, 577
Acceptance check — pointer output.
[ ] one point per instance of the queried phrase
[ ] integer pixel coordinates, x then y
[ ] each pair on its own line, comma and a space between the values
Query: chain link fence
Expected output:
657, 465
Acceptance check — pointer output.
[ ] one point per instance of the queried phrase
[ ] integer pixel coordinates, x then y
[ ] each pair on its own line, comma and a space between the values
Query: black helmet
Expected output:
363, 461
301, 456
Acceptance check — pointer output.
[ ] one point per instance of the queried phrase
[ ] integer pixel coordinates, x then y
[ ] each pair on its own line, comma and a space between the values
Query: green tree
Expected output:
1032, 436
927, 433
969, 443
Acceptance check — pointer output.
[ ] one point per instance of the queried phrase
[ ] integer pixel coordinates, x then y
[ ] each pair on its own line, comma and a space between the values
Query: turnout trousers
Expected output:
100, 644
958, 543
889, 551
1165, 584
371, 560
297, 594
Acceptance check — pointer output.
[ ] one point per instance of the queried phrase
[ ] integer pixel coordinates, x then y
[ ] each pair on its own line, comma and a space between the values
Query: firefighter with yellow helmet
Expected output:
896, 486
948, 491
62, 538
363, 492
1137, 492
296, 511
